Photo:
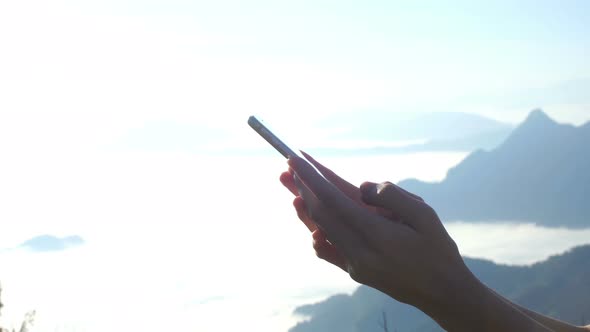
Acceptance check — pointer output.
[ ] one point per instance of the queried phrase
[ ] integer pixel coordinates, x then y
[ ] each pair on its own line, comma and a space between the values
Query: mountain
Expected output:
538, 174
45, 243
558, 287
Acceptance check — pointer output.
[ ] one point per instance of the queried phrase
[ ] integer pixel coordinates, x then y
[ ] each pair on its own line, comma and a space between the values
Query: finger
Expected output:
388, 196
301, 210
324, 190
389, 214
348, 239
407, 192
411, 194
344, 221
286, 179
350, 190
326, 251
313, 209
346, 187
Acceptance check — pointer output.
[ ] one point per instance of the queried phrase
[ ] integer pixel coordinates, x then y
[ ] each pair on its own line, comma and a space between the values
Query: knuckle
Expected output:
386, 188
355, 272
429, 212
303, 215
318, 254
360, 265
317, 246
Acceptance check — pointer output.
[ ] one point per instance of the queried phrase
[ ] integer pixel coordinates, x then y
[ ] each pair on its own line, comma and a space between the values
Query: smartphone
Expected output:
270, 137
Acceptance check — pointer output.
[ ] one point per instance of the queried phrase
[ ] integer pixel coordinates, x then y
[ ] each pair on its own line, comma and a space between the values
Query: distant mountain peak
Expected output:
538, 174
538, 117
536, 122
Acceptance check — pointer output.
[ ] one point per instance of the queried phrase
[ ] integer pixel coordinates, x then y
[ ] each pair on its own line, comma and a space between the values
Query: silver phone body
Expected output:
270, 137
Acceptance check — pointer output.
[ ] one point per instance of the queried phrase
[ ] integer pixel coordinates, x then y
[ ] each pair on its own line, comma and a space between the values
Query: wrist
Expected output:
465, 304
458, 301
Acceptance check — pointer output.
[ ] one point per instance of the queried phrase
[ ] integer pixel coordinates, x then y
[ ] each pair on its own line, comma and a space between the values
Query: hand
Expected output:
391, 240
324, 249
380, 234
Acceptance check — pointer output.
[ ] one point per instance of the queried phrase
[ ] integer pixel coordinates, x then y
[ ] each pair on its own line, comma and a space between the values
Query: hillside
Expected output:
559, 287
538, 174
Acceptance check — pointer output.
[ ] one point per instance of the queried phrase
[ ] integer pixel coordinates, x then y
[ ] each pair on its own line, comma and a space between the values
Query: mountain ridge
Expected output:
556, 286
538, 174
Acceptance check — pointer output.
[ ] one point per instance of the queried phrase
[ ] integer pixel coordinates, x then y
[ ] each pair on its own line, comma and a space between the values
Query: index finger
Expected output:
346, 187
349, 211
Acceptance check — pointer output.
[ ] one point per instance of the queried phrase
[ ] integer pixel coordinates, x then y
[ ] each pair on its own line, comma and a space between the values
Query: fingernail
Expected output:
290, 161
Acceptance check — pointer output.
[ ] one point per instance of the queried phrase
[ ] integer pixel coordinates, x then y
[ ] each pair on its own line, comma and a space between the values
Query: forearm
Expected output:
471, 306
554, 324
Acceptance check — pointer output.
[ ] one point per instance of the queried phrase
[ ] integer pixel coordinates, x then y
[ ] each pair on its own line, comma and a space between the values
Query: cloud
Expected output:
47, 243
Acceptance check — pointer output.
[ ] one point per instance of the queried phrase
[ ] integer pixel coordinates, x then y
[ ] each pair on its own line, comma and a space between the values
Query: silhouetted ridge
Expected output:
535, 124
557, 287
538, 118
538, 174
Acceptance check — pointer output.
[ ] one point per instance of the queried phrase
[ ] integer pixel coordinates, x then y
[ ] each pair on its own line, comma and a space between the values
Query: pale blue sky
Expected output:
97, 70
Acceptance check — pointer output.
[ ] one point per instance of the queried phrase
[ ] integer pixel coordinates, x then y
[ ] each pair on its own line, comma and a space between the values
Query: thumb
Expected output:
390, 197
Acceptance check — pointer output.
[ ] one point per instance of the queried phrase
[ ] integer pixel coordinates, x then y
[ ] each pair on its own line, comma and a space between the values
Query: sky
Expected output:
102, 104
96, 70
